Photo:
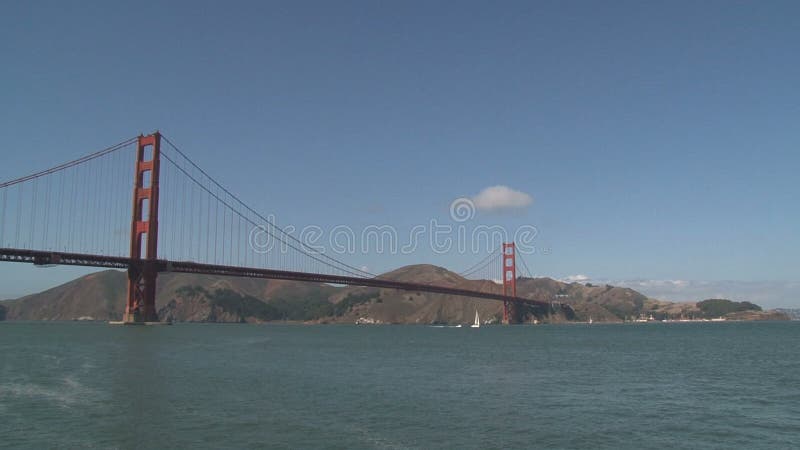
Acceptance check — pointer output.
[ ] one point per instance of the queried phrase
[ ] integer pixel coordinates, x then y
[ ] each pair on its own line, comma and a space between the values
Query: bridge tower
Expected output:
509, 282
142, 272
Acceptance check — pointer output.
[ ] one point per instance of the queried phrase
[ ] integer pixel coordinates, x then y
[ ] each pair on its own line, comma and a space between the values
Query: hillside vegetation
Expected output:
718, 307
204, 298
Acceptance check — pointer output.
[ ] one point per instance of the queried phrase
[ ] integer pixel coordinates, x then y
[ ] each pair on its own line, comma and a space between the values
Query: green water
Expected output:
713, 385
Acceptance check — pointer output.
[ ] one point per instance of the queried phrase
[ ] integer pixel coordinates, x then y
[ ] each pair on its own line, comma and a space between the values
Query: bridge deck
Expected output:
114, 262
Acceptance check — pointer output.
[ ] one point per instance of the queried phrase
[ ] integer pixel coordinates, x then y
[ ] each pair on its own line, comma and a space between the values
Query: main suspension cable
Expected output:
254, 223
69, 164
480, 265
267, 221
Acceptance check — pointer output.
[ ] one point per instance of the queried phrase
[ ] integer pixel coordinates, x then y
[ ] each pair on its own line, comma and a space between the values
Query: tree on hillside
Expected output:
716, 307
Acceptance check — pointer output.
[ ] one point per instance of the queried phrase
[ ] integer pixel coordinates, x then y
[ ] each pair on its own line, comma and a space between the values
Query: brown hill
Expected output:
101, 295
203, 298
393, 306
98, 295
602, 303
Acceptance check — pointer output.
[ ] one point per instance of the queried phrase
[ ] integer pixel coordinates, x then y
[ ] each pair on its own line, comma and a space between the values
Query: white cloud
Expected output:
676, 284
768, 294
576, 279
496, 198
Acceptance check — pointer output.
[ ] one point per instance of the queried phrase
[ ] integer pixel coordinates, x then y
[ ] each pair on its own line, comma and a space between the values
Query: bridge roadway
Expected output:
44, 258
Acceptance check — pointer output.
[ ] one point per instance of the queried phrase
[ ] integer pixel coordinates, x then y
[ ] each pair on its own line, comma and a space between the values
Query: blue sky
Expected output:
657, 141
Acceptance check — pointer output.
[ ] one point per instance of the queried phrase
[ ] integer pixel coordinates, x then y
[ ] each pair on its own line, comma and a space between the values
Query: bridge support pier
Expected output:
140, 306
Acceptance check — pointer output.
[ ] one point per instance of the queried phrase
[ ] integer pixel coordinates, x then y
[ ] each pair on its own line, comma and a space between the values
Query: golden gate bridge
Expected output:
182, 220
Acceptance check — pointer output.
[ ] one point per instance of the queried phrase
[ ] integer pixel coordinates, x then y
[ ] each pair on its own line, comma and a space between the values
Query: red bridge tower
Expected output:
141, 303
509, 282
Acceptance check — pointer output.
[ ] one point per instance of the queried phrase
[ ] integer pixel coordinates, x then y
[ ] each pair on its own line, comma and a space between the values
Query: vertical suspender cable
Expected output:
236, 239
85, 213
121, 202
112, 224
200, 224
208, 226
216, 227
104, 204
224, 231
60, 220
18, 213
80, 232
3, 218
91, 204
46, 213
94, 221
70, 211
34, 206
183, 218
190, 219
173, 222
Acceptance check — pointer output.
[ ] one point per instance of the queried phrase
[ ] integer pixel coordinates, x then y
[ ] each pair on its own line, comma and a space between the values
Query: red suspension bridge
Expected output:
79, 213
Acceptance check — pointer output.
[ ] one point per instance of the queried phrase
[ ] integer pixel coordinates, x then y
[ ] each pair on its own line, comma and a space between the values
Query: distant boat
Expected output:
477, 323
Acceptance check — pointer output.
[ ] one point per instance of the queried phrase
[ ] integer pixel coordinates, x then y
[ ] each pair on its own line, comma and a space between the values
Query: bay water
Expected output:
653, 385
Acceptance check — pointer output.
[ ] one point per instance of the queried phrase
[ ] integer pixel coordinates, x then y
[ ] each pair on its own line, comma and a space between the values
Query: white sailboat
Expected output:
477, 323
